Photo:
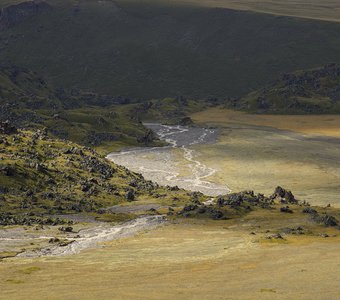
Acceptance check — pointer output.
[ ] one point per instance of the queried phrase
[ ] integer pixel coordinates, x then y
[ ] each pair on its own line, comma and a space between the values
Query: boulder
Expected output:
7, 128
284, 195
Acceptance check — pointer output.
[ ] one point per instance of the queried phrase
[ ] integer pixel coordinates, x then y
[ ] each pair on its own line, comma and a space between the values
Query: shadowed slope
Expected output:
147, 50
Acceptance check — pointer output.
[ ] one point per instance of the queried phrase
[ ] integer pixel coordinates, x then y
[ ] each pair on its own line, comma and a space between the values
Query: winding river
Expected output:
177, 164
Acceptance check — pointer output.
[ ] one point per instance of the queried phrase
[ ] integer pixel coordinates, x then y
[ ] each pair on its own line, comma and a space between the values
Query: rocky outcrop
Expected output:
311, 91
14, 14
283, 195
7, 218
7, 128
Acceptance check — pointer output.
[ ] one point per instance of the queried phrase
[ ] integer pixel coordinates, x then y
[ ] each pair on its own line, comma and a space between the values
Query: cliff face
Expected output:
14, 14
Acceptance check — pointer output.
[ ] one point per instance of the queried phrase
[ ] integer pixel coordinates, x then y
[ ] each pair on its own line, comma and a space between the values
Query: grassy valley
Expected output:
80, 79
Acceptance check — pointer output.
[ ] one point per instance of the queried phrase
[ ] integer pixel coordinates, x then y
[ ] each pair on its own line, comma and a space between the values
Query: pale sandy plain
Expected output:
259, 152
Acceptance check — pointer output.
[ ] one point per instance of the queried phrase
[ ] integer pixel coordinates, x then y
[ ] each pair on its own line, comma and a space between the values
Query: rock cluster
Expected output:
245, 198
292, 92
10, 219
284, 196
325, 219
7, 128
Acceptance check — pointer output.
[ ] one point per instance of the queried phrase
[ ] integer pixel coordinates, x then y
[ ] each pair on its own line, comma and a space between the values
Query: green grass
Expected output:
35, 104
59, 188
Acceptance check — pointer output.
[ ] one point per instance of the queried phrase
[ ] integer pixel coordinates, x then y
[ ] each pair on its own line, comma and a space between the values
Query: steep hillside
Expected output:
155, 50
314, 91
40, 175
87, 118
23, 88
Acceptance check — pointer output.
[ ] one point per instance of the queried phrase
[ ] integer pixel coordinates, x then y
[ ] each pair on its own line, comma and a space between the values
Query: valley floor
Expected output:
187, 260
259, 152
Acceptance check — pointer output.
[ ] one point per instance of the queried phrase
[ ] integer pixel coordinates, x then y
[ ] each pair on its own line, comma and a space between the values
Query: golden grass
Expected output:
191, 260
262, 151
328, 125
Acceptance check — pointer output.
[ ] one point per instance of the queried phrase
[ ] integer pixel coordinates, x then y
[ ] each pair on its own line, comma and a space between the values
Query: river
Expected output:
177, 164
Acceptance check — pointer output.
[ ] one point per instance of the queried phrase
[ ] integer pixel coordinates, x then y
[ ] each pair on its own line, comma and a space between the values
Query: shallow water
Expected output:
176, 164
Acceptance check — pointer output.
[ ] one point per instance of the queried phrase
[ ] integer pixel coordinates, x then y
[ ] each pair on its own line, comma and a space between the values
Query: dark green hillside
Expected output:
40, 175
312, 91
145, 50
28, 101
24, 88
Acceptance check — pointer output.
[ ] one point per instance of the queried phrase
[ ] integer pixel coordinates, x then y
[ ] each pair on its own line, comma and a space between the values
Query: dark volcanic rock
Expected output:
244, 198
309, 210
7, 128
326, 220
7, 171
66, 229
10, 219
284, 195
286, 210
186, 121
130, 195
147, 138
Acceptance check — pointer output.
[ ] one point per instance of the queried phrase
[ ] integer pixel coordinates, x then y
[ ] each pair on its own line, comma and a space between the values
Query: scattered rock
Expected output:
283, 195
309, 210
326, 220
54, 240
286, 209
130, 195
186, 121
275, 237
7, 128
66, 229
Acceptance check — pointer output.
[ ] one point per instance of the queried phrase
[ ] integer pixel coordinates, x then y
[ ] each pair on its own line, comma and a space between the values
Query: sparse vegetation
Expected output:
42, 176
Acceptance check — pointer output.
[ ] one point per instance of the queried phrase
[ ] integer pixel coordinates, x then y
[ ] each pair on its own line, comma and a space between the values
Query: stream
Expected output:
177, 164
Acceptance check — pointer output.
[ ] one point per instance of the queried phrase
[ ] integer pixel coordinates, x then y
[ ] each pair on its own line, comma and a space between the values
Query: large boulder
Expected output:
283, 195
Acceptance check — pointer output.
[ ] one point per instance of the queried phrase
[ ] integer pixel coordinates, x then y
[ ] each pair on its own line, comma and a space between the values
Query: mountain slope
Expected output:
40, 175
147, 50
28, 101
327, 10
313, 91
